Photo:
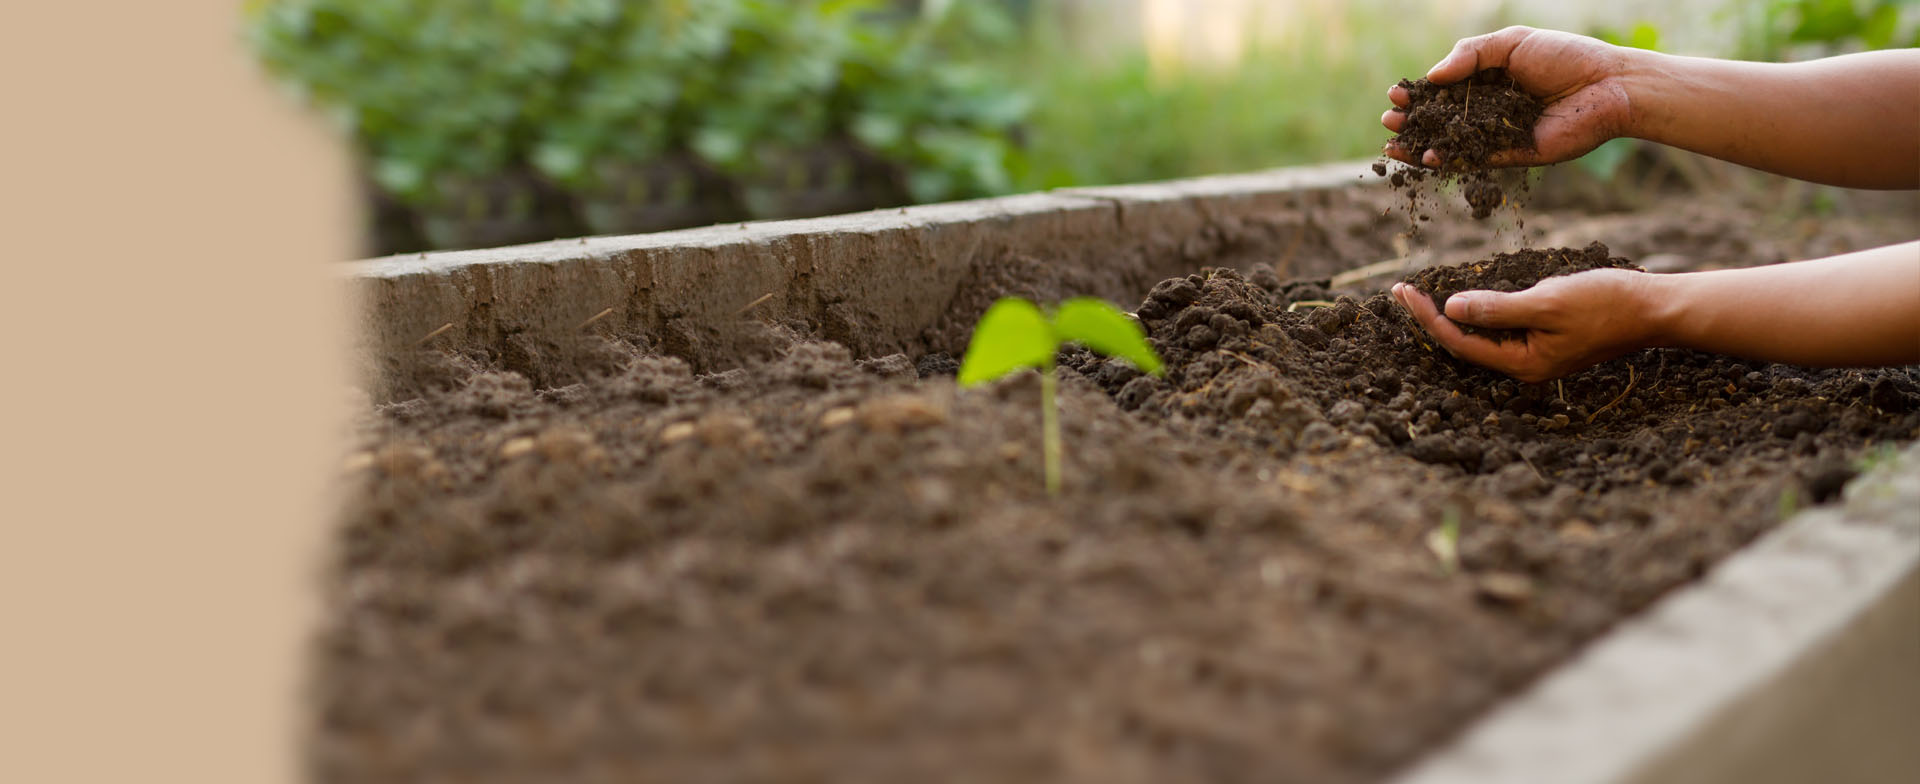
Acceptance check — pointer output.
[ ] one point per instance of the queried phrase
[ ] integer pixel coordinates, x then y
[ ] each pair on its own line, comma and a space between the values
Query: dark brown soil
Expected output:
819, 567
1465, 123
1514, 271
1468, 121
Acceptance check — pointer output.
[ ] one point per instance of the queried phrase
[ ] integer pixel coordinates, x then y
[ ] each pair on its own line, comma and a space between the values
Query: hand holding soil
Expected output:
1848, 120
1567, 323
1578, 78
1856, 309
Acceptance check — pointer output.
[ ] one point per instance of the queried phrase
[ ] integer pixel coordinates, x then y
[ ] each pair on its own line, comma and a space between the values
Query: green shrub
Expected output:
1773, 29
435, 93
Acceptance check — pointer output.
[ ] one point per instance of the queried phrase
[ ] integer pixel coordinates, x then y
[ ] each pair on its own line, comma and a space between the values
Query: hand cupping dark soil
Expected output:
1513, 271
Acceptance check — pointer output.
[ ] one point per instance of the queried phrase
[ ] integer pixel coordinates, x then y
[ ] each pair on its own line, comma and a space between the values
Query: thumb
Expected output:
1470, 55
1499, 310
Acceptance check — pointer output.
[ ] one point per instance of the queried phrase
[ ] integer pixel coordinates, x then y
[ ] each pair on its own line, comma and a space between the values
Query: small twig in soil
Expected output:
1309, 303
751, 305
1377, 268
1616, 400
1562, 385
1536, 469
595, 317
1243, 358
434, 334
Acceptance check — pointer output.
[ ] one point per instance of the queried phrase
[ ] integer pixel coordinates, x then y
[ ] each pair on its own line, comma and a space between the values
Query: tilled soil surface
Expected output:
819, 567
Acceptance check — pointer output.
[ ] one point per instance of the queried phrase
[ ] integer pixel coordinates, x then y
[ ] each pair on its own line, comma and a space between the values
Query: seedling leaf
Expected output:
1444, 541
1102, 327
1013, 334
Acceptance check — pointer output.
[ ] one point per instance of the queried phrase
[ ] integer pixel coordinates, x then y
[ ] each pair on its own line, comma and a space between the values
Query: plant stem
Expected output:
1050, 430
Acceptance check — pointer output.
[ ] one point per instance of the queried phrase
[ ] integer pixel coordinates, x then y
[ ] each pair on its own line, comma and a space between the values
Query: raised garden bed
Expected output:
707, 506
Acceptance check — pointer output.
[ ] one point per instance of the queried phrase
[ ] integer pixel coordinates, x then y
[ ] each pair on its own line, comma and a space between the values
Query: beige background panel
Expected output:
171, 388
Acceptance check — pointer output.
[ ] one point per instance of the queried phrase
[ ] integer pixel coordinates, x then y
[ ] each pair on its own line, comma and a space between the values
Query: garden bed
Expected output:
707, 506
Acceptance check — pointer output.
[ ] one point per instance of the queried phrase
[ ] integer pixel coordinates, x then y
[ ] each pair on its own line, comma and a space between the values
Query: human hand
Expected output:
1579, 78
1572, 322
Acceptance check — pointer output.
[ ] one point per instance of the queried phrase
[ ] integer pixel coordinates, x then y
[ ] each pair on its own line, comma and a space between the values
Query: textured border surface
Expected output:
1795, 659
875, 281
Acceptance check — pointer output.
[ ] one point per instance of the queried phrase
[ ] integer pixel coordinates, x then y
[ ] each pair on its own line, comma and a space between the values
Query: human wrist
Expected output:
1659, 303
1643, 76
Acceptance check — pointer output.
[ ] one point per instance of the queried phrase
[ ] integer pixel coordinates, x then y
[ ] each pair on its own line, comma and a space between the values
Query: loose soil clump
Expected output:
1513, 271
816, 566
1465, 123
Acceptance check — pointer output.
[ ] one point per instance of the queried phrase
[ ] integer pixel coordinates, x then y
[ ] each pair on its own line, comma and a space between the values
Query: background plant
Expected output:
433, 92
959, 98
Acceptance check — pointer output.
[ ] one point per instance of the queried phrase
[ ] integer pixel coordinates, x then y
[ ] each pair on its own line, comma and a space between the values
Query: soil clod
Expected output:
1466, 124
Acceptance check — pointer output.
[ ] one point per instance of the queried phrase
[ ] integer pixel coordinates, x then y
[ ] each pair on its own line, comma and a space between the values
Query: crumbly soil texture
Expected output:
823, 567
1465, 123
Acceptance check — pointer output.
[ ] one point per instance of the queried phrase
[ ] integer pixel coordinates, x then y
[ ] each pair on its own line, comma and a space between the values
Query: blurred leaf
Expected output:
1825, 21
399, 176
1102, 327
720, 145
1605, 161
559, 161
1877, 30
1644, 36
879, 131
1013, 334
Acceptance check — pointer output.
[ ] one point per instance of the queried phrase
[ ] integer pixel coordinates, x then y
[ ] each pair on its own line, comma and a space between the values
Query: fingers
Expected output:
1498, 310
1510, 358
1394, 119
1397, 153
1506, 159
1477, 53
1398, 95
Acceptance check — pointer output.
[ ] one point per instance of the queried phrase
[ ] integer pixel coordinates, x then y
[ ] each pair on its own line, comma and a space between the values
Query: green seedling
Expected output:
1015, 334
1789, 502
1875, 457
1445, 540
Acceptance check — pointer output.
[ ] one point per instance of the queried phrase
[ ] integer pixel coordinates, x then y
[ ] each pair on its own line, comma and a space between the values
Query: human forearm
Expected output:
1852, 121
1850, 310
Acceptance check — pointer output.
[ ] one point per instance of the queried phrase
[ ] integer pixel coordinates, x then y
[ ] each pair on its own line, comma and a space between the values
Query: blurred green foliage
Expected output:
1605, 161
438, 92
1311, 94
1773, 29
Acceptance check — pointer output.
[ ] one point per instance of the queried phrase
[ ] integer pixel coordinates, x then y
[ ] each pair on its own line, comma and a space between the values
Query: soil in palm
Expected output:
1466, 123
1513, 271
